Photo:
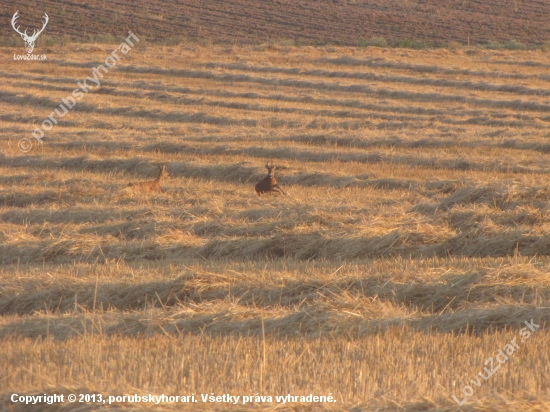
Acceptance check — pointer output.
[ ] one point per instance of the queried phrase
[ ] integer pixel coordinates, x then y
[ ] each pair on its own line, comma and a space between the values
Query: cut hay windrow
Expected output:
419, 68
354, 88
413, 242
515, 89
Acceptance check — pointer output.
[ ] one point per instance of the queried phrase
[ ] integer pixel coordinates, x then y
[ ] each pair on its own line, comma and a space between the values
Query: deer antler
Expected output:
35, 32
46, 20
14, 18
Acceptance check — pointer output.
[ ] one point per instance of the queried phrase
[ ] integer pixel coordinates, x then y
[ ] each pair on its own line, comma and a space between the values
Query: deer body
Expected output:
153, 185
268, 183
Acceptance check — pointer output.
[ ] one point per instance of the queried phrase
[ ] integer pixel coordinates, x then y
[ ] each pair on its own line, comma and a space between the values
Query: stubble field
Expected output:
412, 245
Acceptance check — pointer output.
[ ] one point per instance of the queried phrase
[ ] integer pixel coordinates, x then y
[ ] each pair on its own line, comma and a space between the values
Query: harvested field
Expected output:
414, 242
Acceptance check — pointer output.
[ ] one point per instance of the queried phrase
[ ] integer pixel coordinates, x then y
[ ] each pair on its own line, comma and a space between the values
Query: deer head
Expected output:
270, 169
163, 172
29, 40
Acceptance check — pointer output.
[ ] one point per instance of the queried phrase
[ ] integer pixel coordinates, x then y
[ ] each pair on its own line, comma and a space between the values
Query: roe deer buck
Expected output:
153, 185
268, 183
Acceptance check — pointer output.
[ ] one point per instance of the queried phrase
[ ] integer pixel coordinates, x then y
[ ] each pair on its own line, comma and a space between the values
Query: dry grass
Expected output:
413, 244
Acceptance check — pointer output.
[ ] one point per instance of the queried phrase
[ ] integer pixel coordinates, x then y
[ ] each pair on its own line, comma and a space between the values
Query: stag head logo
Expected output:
29, 40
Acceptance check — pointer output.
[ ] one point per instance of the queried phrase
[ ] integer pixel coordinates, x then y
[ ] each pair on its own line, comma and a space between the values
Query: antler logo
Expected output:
29, 40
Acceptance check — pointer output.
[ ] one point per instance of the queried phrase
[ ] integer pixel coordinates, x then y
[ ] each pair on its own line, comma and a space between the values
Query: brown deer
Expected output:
268, 183
153, 185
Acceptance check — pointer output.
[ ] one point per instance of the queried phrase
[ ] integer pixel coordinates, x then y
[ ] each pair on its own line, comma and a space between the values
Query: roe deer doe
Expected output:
268, 183
153, 185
